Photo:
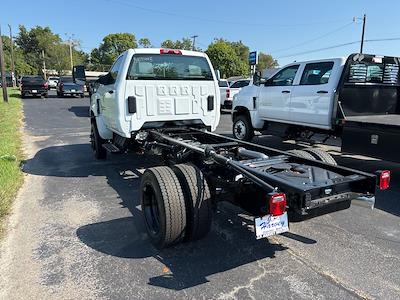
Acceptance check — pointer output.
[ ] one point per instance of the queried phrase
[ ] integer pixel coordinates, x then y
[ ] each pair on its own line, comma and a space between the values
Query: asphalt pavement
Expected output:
76, 231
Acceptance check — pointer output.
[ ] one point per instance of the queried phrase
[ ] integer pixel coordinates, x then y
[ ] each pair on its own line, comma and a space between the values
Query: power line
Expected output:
314, 39
340, 45
219, 21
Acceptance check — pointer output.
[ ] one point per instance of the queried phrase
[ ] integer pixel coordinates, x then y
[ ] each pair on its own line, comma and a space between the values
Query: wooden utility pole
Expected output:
362, 34
3, 70
70, 54
13, 77
44, 66
194, 41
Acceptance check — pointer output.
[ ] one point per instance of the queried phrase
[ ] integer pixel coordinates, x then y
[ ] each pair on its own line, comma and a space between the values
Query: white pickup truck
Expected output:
355, 98
152, 88
166, 102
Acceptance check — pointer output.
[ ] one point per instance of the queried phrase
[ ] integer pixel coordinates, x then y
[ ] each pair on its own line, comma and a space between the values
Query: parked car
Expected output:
234, 88
67, 86
52, 82
355, 98
224, 90
33, 86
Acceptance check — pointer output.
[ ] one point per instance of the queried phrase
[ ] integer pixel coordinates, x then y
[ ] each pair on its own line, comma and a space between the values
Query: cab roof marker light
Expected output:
170, 51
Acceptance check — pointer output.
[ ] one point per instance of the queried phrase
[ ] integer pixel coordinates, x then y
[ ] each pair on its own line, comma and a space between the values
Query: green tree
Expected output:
241, 50
111, 47
21, 66
224, 58
32, 42
145, 43
266, 61
184, 44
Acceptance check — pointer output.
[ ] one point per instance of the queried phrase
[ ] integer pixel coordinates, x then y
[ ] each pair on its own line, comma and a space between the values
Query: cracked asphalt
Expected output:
76, 231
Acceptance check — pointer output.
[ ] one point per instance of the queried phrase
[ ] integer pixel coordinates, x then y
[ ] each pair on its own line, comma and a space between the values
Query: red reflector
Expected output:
384, 180
170, 51
277, 204
228, 93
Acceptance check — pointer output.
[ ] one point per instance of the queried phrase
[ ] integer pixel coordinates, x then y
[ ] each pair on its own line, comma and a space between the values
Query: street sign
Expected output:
253, 57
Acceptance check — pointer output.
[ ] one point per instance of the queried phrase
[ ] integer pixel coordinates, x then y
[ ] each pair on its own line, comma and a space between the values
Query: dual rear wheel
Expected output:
176, 204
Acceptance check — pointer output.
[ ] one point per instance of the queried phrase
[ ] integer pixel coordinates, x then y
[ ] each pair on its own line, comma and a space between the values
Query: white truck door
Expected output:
312, 99
109, 101
274, 97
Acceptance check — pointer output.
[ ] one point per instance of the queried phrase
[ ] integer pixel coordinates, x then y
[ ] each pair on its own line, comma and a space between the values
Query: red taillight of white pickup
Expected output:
170, 51
384, 179
228, 93
277, 204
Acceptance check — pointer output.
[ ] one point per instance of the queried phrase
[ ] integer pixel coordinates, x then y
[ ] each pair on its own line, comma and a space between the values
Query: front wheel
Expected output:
97, 143
242, 128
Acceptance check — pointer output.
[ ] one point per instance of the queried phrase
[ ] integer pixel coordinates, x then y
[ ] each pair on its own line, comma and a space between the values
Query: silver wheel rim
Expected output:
240, 130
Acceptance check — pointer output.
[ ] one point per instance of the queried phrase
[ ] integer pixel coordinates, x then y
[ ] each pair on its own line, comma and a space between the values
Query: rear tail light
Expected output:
170, 51
46, 85
384, 180
61, 86
228, 93
277, 204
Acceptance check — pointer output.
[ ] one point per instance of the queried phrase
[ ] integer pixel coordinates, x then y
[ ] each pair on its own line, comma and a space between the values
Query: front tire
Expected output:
97, 143
163, 206
242, 128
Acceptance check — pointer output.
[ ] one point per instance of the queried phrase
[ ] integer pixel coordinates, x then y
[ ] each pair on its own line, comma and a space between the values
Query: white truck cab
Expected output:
301, 93
152, 88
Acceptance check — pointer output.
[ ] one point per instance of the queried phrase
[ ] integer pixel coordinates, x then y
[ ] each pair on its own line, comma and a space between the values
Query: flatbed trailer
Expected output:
205, 168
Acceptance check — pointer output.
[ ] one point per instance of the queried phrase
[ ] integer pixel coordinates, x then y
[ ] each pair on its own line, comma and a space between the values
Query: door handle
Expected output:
322, 92
110, 92
285, 92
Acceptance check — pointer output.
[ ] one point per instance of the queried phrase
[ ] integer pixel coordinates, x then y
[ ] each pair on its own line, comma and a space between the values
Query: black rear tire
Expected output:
163, 206
97, 143
198, 201
242, 128
302, 154
321, 155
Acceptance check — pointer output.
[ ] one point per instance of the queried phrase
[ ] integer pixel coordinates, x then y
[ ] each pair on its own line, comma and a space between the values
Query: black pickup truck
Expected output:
34, 86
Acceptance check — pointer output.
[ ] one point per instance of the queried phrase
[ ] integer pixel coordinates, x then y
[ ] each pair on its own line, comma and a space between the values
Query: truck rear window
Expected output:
169, 67
33, 79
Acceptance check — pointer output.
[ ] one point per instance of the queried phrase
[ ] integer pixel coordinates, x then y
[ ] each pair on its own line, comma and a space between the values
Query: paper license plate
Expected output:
34, 91
269, 225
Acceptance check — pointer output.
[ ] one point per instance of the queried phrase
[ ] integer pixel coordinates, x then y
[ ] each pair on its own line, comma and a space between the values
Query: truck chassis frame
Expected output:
265, 167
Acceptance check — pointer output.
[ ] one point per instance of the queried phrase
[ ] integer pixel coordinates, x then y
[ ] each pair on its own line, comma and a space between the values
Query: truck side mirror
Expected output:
257, 78
105, 79
268, 82
79, 75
